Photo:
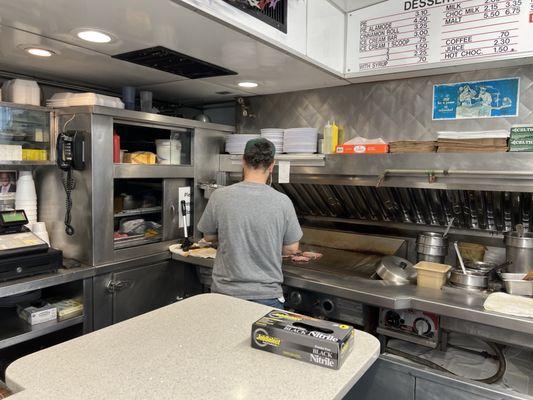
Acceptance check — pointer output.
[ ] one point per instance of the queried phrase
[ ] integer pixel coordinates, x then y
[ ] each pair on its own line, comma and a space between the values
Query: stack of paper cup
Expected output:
26, 196
39, 228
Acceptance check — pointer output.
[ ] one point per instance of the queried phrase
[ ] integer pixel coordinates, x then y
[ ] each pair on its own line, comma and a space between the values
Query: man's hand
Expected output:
212, 239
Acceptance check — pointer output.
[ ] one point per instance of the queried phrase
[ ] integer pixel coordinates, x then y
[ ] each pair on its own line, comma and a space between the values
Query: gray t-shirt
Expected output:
253, 222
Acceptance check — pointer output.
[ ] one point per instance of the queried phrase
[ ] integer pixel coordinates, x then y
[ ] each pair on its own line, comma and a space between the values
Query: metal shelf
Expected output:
15, 330
27, 163
25, 106
138, 211
136, 241
131, 171
22, 285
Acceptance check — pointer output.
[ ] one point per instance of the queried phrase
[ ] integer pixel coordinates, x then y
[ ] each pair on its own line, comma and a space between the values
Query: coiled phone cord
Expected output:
68, 183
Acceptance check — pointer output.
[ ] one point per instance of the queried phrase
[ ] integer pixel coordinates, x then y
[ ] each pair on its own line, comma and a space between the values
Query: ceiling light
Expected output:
94, 36
39, 52
248, 84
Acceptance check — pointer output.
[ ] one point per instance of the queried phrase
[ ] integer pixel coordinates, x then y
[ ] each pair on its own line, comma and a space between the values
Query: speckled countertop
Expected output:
198, 348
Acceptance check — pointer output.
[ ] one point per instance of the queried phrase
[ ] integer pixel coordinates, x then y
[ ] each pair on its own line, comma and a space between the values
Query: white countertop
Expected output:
198, 348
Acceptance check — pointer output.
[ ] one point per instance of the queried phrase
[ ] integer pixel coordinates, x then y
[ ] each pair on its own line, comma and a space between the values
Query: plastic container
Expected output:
168, 152
22, 91
472, 251
39, 228
146, 101
68, 99
431, 275
116, 148
128, 97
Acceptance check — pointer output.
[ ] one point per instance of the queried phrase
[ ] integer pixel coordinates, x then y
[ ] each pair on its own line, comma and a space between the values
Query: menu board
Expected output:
413, 34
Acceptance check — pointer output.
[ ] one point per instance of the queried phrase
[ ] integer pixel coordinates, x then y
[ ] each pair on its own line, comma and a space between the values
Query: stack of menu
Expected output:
466, 142
413, 146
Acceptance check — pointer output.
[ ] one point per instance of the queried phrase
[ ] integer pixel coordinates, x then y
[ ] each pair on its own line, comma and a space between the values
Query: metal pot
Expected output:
396, 270
431, 246
519, 251
129, 202
473, 279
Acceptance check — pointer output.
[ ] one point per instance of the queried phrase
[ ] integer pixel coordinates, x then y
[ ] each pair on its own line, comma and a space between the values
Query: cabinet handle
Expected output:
117, 286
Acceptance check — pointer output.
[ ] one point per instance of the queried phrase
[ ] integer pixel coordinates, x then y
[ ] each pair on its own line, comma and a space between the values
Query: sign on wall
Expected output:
412, 34
480, 99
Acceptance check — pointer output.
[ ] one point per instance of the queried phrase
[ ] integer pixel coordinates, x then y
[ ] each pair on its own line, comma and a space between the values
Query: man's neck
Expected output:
256, 177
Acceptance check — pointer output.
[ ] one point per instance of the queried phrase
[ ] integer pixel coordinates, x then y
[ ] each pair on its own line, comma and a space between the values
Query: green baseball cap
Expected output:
258, 143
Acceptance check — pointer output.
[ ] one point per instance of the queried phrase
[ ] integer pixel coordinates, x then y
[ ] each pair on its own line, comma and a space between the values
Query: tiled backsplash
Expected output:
396, 109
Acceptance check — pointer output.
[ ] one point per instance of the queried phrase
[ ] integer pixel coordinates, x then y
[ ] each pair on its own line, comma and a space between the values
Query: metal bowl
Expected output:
472, 279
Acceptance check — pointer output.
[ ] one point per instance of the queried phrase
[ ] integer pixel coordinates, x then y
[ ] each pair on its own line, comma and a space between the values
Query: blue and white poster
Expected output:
480, 99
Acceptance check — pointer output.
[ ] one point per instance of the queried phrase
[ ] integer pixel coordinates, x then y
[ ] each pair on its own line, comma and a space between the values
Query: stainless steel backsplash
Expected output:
394, 110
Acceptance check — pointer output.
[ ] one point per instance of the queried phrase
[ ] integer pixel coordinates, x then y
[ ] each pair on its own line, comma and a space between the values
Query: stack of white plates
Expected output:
235, 144
300, 140
26, 196
275, 136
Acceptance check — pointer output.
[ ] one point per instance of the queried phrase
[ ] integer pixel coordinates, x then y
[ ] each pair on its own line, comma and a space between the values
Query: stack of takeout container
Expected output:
26, 196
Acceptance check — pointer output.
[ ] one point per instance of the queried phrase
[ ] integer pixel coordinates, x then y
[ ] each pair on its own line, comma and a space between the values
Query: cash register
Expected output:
22, 253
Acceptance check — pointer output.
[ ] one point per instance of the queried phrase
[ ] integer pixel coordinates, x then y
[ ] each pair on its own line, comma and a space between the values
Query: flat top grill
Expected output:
339, 263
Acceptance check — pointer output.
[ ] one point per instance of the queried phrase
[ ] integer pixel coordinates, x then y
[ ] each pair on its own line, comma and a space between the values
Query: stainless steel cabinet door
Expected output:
429, 390
139, 290
382, 382
171, 206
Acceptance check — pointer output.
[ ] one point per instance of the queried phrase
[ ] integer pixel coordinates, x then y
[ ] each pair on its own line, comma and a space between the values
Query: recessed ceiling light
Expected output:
94, 36
248, 84
39, 52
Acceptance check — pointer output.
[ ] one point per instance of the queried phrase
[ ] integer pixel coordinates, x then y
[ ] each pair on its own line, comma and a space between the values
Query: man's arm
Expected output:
291, 249
208, 223
293, 232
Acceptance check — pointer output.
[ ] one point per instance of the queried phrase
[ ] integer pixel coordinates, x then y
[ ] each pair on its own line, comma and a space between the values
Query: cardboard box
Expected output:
308, 339
67, 308
140, 157
37, 315
377, 148
521, 138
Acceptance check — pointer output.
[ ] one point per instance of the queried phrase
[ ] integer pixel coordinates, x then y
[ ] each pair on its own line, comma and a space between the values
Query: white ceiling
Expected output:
350, 5
138, 24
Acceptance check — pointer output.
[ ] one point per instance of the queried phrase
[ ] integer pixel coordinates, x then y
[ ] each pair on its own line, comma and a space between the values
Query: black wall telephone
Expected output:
71, 150
70, 155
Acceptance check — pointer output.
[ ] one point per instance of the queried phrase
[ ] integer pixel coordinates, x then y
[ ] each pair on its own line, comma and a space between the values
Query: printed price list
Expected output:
394, 40
480, 29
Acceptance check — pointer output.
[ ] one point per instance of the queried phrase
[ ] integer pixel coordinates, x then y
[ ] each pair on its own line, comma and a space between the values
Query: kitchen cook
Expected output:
253, 225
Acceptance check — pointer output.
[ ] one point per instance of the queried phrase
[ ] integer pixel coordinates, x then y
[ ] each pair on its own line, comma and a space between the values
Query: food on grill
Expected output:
312, 255
300, 259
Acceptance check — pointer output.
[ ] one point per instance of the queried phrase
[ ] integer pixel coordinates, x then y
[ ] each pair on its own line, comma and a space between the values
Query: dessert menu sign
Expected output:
412, 34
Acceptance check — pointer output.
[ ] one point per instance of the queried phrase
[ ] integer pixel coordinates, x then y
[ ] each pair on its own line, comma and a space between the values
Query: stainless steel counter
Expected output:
316, 276
30, 283
16, 286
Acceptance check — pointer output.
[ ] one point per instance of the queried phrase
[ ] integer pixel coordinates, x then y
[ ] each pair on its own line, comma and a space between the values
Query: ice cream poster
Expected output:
481, 99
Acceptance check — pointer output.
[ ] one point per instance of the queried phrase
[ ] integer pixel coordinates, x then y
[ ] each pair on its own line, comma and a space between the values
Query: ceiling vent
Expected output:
171, 61
271, 12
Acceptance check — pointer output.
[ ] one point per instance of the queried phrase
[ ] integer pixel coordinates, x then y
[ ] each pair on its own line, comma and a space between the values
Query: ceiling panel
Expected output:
350, 5
71, 63
188, 91
138, 24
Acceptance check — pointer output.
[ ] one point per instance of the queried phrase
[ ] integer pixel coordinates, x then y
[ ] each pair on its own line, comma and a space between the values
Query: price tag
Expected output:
284, 171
